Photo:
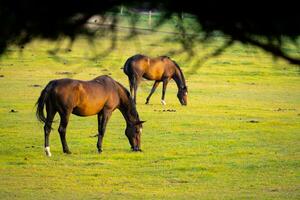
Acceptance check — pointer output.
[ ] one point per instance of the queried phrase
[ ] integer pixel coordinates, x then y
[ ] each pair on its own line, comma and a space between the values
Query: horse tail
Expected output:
127, 66
42, 100
128, 70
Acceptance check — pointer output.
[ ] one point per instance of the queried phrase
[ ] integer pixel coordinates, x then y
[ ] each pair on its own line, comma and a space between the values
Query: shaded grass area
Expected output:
238, 138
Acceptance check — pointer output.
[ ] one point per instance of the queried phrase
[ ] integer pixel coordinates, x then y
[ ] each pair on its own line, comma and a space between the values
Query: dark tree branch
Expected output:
22, 21
275, 50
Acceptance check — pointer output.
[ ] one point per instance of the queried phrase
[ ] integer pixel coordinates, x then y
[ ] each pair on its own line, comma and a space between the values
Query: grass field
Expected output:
238, 138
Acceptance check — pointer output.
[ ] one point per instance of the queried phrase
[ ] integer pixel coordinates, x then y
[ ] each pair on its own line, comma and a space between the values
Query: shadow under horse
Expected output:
100, 96
159, 69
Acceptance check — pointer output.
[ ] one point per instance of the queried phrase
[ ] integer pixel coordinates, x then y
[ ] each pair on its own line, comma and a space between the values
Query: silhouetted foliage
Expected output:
268, 26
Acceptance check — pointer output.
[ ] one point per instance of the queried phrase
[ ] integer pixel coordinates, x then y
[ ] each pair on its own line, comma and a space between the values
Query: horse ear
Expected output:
139, 122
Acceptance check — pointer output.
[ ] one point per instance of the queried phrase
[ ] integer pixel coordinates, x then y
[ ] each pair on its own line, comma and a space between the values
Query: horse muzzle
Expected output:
183, 103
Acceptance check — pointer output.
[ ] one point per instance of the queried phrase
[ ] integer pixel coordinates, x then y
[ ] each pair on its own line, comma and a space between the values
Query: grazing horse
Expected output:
159, 69
100, 96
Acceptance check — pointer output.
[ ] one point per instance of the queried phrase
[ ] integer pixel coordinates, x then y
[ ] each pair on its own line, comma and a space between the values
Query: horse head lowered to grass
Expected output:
100, 96
159, 69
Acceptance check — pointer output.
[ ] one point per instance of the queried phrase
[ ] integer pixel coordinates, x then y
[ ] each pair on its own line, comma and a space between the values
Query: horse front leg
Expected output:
156, 83
103, 118
64, 120
165, 83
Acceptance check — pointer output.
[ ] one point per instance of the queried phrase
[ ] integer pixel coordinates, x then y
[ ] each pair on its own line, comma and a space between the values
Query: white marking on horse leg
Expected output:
163, 102
47, 150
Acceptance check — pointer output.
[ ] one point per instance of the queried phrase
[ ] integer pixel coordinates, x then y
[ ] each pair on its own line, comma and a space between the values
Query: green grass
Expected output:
238, 138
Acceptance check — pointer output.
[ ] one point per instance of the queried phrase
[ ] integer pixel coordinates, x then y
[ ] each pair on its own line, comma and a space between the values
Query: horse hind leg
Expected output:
135, 91
103, 118
47, 127
131, 86
134, 80
156, 83
64, 120
135, 86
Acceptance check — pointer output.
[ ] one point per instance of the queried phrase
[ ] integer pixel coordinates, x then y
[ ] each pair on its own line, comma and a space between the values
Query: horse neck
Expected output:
127, 108
179, 78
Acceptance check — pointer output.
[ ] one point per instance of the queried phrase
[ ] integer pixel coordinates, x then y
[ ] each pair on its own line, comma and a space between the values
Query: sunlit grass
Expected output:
238, 138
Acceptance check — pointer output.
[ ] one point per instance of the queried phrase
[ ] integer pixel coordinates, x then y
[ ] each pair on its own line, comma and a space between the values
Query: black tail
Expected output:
128, 70
42, 100
127, 66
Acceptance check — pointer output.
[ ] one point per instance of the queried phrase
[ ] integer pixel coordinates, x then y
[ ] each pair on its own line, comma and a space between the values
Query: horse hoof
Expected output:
99, 151
48, 154
47, 151
136, 149
67, 152
147, 102
163, 102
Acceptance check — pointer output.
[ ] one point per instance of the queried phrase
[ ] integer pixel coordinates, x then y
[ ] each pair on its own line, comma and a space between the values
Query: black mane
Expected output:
181, 74
132, 105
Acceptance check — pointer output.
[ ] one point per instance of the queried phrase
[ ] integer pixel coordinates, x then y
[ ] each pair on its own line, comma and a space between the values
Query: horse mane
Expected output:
176, 64
132, 107
123, 89
180, 71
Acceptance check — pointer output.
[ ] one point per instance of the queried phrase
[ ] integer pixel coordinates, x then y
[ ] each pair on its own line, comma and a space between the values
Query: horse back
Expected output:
150, 68
85, 98
159, 68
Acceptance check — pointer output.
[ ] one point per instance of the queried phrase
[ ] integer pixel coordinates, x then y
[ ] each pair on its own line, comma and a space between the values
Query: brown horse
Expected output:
159, 69
100, 96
